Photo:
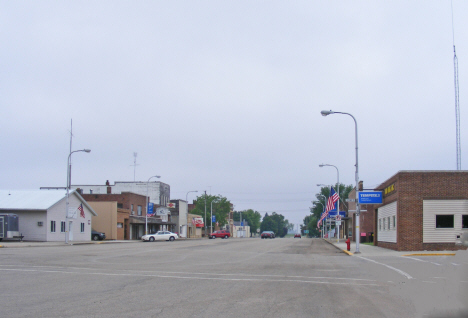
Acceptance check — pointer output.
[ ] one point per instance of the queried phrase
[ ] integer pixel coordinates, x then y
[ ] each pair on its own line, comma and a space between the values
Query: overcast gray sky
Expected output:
225, 96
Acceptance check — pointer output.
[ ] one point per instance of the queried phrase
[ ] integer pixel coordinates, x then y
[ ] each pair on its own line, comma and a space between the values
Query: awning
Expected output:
151, 220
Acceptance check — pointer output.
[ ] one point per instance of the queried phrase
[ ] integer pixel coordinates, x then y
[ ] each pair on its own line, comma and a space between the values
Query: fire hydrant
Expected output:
348, 244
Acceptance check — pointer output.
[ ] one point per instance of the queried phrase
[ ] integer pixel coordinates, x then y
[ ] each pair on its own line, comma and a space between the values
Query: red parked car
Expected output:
222, 234
297, 235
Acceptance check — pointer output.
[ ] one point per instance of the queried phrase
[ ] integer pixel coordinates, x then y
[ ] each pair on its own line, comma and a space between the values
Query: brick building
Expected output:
420, 210
122, 216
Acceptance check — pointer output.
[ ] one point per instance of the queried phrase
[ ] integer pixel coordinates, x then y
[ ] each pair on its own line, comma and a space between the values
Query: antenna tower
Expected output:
134, 165
457, 98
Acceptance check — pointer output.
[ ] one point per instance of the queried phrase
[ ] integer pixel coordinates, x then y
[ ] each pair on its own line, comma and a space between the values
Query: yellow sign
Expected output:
389, 189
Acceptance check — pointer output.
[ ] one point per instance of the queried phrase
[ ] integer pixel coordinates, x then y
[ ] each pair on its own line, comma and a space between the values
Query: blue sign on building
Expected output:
370, 197
150, 208
332, 214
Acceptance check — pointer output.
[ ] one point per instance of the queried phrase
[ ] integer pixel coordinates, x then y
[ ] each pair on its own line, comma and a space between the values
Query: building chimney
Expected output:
109, 189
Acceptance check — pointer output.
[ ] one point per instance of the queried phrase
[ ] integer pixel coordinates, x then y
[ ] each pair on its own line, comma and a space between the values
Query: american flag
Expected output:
322, 216
330, 205
80, 208
331, 201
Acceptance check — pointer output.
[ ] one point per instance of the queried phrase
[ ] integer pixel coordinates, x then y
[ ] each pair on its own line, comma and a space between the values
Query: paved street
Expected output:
229, 278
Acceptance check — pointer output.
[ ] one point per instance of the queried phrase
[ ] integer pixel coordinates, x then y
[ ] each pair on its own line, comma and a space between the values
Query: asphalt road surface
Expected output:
227, 278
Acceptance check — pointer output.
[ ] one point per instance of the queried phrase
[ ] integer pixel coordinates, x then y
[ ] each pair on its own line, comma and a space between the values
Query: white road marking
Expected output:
414, 258
129, 272
196, 278
388, 266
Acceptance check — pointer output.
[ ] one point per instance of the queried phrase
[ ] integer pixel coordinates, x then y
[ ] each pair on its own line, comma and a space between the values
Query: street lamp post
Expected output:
205, 214
68, 191
186, 199
211, 213
324, 200
337, 191
358, 206
147, 203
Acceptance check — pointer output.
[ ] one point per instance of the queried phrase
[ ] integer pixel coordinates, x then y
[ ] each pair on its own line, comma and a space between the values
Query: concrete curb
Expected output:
430, 254
344, 251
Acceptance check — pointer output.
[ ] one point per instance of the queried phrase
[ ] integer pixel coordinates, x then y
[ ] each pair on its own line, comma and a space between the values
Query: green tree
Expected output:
319, 205
251, 216
276, 223
221, 208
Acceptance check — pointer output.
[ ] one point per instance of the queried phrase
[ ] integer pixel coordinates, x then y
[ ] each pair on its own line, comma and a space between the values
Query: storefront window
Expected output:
444, 221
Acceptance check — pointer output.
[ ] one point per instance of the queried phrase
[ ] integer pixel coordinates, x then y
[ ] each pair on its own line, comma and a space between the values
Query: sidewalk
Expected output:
371, 250
6, 244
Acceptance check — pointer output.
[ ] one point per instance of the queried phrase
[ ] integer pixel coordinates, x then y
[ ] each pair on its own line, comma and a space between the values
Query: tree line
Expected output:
219, 206
319, 205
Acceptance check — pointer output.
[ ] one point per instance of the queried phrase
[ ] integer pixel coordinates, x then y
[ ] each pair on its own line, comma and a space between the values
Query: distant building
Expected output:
122, 216
158, 192
179, 216
240, 230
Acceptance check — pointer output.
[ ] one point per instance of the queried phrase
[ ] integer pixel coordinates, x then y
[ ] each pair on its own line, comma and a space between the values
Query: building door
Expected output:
1, 228
70, 230
126, 236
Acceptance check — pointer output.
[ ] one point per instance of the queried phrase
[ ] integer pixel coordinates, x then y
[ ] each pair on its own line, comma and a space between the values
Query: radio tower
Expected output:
457, 99
134, 164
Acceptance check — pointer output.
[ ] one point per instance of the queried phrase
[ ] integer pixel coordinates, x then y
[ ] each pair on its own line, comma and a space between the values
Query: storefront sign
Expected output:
389, 189
370, 197
162, 211
198, 222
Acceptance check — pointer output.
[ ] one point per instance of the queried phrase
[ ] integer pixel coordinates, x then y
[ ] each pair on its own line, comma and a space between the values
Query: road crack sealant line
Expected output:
399, 271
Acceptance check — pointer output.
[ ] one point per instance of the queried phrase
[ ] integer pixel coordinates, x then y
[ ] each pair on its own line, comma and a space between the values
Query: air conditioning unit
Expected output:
40, 224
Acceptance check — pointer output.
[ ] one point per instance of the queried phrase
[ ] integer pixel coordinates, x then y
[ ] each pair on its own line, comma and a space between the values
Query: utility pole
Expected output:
205, 212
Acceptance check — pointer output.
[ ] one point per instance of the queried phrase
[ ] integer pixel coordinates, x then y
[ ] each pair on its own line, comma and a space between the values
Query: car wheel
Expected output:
213, 237
95, 237
171, 238
225, 236
151, 239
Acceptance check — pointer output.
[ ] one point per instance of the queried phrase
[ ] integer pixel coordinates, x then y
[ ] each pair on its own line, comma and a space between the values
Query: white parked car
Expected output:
160, 236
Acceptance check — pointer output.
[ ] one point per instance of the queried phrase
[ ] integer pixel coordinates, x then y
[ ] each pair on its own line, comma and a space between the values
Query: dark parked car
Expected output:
97, 236
267, 234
